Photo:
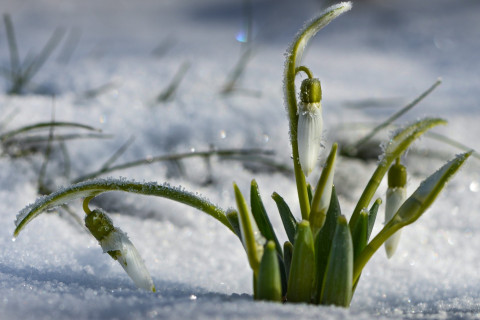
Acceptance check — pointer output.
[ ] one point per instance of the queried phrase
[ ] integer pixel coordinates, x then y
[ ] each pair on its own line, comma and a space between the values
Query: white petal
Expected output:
129, 258
309, 135
395, 198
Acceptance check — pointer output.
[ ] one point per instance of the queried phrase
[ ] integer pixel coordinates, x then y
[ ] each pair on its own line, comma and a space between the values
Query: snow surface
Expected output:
389, 51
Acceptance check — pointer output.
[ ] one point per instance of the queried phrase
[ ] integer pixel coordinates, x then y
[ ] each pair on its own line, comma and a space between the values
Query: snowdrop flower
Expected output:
396, 195
116, 243
310, 124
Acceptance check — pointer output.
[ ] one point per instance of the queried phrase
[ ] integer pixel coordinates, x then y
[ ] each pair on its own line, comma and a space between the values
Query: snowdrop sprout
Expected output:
396, 195
310, 124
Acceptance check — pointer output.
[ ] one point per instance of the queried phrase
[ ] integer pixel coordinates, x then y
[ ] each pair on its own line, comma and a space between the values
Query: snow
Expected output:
390, 51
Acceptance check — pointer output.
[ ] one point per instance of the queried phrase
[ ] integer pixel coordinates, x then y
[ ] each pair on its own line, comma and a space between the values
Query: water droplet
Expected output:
13, 239
223, 134
474, 186
192, 149
266, 138
102, 119
193, 297
241, 36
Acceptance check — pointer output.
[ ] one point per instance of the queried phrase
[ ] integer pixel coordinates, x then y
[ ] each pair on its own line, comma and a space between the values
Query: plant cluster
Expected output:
322, 261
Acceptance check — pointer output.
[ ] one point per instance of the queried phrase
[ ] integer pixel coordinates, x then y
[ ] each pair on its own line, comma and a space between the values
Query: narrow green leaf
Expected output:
261, 217
93, 188
372, 215
287, 256
323, 243
250, 233
323, 192
337, 285
269, 285
412, 208
288, 220
359, 234
302, 268
232, 217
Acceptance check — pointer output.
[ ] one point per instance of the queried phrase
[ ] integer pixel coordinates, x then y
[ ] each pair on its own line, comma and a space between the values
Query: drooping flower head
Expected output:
310, 124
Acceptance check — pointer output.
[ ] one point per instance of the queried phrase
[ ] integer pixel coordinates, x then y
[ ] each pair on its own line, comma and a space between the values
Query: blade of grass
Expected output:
397, 115
43, 125
12, 46
172, 88
171, 157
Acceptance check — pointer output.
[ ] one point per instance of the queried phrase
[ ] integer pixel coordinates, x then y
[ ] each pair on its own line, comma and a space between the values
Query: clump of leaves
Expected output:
325, 254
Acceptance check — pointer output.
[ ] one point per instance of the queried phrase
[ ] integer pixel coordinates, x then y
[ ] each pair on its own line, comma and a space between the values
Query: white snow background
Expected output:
383, 52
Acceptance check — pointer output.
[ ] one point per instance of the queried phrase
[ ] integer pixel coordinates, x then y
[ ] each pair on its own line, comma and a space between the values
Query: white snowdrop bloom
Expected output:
396, 195
122, 249
310, 124
116, 243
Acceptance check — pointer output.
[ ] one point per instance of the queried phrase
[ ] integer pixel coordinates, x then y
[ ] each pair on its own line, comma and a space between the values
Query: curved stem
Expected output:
289, 81
306, 70
294, 56
93, 188
86, 201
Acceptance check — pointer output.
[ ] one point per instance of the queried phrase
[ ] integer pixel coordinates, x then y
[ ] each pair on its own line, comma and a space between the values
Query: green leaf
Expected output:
412, 208
323, 243
232, 217
288, 220
302, 268
394, 149
251, 236
93, 188
287, 256
261, 217
323, 192
359, 234
372, 215
269, 285
337, 285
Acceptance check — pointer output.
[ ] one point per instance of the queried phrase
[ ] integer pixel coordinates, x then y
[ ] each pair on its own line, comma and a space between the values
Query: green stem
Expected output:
93, 188
306, 70
294, 56
372, 247
291, 99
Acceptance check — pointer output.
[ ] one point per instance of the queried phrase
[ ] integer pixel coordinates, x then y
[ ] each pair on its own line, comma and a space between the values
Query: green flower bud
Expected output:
302, 268
269, 284
310, 91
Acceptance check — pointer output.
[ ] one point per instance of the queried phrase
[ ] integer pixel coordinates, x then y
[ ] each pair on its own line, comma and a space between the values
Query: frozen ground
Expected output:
389, 51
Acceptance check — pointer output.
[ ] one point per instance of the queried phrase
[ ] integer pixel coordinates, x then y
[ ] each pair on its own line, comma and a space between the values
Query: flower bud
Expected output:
396, 195
116, 243
310, 124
